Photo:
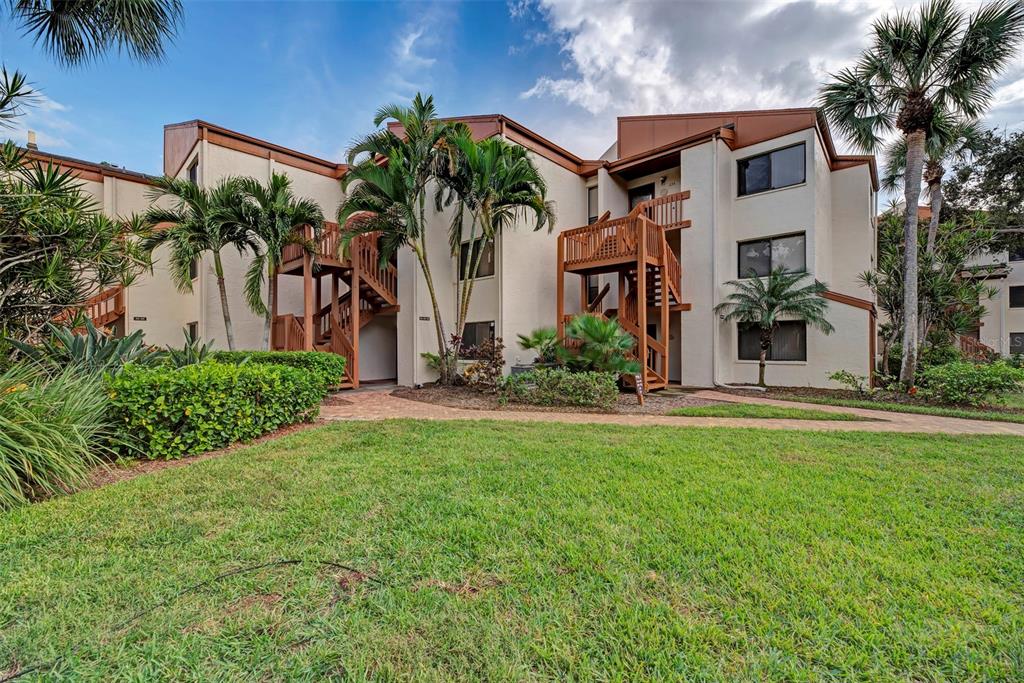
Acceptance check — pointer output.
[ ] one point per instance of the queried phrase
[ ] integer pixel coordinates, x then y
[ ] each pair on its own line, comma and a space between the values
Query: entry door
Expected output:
640, 194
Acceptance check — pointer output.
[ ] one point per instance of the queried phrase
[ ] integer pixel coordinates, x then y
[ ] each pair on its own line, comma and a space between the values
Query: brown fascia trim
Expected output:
89, 170
624, 163
231, 139
837, 161
849, 301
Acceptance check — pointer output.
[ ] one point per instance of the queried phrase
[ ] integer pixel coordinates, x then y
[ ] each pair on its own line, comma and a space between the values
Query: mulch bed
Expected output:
656, 403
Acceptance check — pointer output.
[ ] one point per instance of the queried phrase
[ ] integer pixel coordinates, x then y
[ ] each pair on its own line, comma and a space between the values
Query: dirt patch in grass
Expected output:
470, 587
655, 403
115, 472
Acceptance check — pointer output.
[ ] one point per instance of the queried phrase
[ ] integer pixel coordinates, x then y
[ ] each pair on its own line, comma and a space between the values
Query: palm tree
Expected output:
199, 221
948, 141
497, 183
75, 33
389, 177
274, 215
603, 345
764, 302
937, 60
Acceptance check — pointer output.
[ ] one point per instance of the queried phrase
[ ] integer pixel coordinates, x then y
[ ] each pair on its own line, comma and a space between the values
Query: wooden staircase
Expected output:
103, 309
635, 247
336, 323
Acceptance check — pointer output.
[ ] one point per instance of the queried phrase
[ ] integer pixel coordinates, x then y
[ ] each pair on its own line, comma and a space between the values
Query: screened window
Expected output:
1017, 343
193, 171
486, 268
476, 334
592, 214
771, 171
1017, 297
788, 343
757, 258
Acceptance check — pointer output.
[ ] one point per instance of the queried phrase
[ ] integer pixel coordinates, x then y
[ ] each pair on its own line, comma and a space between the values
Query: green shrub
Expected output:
194, 351
92, 350
330, 367
170, 412
53, 430
560, 387
970, 383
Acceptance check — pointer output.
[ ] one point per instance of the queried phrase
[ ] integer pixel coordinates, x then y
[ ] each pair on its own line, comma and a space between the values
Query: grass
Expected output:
525, 551
759, 411
916, 408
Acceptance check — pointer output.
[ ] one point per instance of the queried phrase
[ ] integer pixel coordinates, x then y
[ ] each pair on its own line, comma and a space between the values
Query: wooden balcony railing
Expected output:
102, 309
667, 211
972, 349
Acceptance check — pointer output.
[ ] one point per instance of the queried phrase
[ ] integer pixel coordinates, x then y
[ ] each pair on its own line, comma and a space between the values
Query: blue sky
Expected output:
309, 75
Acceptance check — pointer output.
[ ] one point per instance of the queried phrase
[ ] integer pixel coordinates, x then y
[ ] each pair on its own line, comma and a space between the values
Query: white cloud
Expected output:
48, 118
405, 49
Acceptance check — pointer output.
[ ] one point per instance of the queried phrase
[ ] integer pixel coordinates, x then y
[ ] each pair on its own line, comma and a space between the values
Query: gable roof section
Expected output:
89, 170
639, 136
181, 138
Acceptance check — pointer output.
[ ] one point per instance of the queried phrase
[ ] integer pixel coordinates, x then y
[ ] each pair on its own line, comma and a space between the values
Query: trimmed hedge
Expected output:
329, 366
169, 413
963, 383
560, 387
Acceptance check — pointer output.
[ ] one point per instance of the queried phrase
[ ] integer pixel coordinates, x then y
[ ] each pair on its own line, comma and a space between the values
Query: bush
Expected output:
92, 350
172, 412
53, 430
329, 367
485, 373
560, 387
969, 383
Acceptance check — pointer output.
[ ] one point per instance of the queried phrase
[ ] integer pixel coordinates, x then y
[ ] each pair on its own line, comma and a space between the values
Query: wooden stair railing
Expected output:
102, 309
972, 349
287, 333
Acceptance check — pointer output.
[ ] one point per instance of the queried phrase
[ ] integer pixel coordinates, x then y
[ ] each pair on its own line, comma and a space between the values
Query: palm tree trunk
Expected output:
218, 268
268, 318
442, 345
936, 199
911, 195
761, 363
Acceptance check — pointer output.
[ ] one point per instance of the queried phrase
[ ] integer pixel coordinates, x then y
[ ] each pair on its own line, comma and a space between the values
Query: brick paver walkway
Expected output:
381, 405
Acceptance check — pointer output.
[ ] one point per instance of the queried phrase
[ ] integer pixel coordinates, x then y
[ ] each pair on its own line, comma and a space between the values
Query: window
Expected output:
193, 331
788, 343
640, 194
1017, 297
1017, 253
193, 269
592, 214
486, 268
476, 334
1016, 343
757, 258
593, 288
771, 171
193, 171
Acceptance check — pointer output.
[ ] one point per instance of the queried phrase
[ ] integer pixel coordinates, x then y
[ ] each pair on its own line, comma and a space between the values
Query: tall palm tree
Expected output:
75, 33
389, 177
498, 184
937, 59
948, 141
275, 216
764, 302
199, 220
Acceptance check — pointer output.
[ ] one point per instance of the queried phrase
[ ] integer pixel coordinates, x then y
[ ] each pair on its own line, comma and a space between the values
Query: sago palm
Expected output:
276, 217
199, 221
387, 184
498, 184
919, 63
765, 302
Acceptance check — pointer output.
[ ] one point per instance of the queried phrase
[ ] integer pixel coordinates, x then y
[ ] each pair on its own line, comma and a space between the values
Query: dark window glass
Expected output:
593, 288
477, 333
193, 269
773, 170
757, 258
1017, 297
592, 214
1017, 253
640, 194
486, 268
1017, 343
193, 171
788, 343
193, 331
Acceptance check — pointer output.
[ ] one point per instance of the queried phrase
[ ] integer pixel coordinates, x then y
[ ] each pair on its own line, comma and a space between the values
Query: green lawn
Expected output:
916, 408
508, 551
767, 412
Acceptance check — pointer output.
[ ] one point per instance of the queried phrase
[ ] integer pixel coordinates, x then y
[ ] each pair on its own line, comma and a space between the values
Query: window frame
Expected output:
1009, 296
768, 357
193, 171
1016, 255
463, 265
462, 342
1009, 340
193, 269
771, 187
641, 190
592, 216
193, 329
769, 239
